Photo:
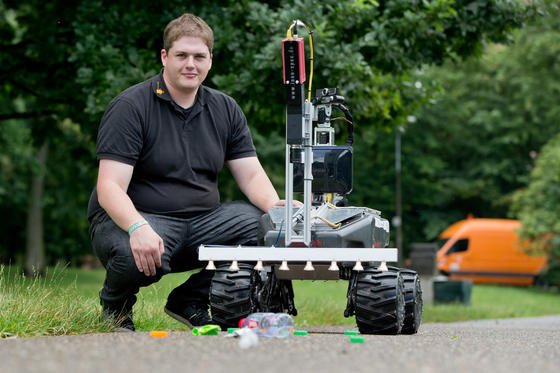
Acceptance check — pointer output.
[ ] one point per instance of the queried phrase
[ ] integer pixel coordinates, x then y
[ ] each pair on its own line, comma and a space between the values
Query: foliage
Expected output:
370, 52
538, 207
37, 77
69, 182
38, 98
473, 146
64, 61
16, 163
365, 48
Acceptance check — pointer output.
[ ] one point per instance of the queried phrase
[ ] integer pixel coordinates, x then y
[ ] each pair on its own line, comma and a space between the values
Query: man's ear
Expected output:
163, 55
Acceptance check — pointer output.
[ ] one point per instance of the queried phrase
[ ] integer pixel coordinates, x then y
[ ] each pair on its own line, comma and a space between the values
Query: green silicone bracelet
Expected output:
136, 225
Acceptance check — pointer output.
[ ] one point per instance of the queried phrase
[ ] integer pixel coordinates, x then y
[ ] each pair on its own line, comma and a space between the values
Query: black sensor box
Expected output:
331, 170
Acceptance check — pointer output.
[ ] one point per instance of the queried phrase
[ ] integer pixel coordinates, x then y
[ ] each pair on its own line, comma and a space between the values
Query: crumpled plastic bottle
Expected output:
269, 324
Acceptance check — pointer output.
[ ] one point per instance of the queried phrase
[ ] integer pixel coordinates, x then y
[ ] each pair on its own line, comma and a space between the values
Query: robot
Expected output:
323, 239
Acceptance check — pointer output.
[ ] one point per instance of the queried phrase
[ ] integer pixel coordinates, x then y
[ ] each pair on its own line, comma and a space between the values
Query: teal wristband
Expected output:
136, 225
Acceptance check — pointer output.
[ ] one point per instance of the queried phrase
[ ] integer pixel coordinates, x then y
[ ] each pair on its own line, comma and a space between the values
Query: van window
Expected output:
459, 246
440, 243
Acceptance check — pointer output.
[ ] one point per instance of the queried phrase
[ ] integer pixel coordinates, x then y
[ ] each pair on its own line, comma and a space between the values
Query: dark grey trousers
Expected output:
233, 223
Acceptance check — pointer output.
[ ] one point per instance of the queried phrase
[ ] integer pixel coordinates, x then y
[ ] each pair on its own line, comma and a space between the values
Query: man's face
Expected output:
186, 63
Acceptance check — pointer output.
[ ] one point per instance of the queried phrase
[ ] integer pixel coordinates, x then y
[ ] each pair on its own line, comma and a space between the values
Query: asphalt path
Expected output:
507, 345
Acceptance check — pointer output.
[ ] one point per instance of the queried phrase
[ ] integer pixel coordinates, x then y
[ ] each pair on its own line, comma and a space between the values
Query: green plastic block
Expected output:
300, 332
209, 329
357, 339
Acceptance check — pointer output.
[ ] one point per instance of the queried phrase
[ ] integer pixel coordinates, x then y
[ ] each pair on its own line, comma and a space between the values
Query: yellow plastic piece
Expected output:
159, 334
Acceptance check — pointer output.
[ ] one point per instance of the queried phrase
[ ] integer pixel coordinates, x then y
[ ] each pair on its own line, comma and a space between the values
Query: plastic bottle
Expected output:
248, 338
268, 324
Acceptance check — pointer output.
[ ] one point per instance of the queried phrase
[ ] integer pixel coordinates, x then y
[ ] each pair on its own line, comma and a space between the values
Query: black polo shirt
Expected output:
176, 153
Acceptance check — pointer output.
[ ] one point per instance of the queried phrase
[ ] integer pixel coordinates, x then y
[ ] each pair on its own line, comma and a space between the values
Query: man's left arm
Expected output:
254, 182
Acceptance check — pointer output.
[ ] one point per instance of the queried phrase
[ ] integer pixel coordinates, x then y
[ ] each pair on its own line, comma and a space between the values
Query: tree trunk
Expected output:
35, 244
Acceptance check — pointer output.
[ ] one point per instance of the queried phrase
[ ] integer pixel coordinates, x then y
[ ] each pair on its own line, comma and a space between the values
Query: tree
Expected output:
38, 85
474, 145
64, 62
15, 165
538, 207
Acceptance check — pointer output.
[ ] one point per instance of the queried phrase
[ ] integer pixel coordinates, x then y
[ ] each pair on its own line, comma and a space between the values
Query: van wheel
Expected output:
541, 281
379, 304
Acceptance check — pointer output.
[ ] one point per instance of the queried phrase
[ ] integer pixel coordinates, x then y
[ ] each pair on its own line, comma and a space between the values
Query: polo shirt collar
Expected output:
160, 90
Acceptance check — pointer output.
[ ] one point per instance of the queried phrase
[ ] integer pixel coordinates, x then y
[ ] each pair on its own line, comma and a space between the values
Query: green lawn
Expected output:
66, 302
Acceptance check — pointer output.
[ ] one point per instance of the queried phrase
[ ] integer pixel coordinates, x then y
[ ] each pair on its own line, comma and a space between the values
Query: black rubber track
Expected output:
379, 302
230, 295
412, 301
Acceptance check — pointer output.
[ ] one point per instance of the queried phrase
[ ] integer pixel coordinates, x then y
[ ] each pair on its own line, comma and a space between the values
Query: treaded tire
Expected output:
379, 302
230, 295
412, 301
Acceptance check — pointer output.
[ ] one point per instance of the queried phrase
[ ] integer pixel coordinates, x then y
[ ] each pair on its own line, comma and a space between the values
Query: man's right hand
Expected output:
147, 248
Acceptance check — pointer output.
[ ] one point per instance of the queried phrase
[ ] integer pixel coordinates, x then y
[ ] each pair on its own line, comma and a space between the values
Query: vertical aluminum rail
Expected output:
289, 220
289, 194
307, 172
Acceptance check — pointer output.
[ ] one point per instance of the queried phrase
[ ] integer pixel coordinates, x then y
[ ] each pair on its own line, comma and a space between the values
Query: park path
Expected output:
508, 345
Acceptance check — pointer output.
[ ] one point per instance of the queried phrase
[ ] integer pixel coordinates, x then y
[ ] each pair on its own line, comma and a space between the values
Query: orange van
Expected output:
487, 251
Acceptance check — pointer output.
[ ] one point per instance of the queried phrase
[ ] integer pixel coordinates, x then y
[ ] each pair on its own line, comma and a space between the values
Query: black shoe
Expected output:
193, 315
121, 319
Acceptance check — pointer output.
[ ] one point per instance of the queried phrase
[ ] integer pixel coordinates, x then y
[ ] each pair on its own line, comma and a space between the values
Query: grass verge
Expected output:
45, 306
65, 301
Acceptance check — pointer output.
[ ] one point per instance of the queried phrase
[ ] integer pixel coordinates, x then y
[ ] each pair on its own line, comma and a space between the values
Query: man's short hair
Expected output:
187, 25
